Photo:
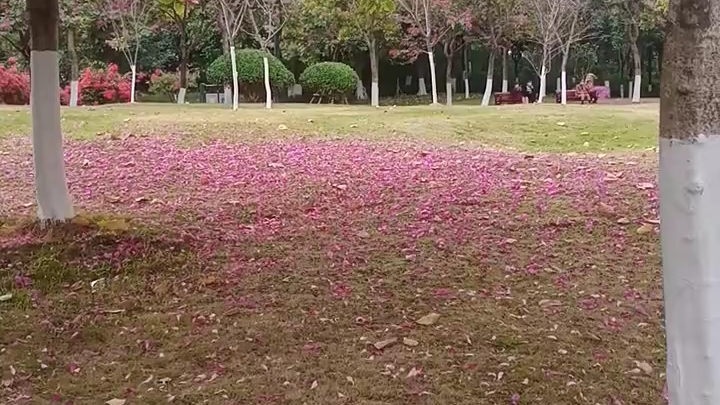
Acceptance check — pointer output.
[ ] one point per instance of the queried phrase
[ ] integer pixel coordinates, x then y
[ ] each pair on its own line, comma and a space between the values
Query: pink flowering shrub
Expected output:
14, 84
100, 86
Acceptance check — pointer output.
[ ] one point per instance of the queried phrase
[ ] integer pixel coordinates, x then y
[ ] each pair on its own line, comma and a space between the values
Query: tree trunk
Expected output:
637, 84
422, 88
466, 72
227, 89
689, 197
268, 89
74, 68
183, 64
448, 79
563, 76
133, 77
504, 73
433, 76
236, 86
489, 80
543, 84
374, 87
53, 199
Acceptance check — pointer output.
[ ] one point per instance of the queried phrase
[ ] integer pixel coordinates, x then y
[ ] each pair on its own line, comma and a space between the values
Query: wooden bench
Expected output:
512, 97
573, 96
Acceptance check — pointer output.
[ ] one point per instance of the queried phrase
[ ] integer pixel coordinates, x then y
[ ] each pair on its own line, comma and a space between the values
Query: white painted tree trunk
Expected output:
607, 85
563, 87
467, 87
630, 89
448, 93
375, 94
268, 89
558, 82
433, 78
422, 88
52, 195
227, 95
637, 85
236, 85
74, 92
360, 92
543, 84
133, 77
489, 81
504, 74
622, 91
181, 95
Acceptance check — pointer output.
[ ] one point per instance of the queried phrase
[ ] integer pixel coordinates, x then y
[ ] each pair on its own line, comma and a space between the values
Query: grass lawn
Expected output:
409, 255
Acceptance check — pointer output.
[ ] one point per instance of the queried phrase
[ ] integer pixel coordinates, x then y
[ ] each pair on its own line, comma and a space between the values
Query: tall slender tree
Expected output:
689, 196
53, 198
232, 13
266, 18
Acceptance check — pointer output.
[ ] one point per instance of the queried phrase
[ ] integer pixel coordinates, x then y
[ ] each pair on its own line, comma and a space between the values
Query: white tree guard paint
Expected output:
630, 89
236, 85
505, 86
227, 95
268, 90
360, 92
558, 82
433, 78
636, 89
51, 188
181, 95
133, 77
422, 88
622, 91
607, 84
74, 90
488, 92
448, 93
543, 79
563, 87
690, 229
375, 94
467, 88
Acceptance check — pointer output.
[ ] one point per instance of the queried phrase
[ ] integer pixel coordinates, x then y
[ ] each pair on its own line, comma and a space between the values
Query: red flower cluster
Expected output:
14, 84
100, 86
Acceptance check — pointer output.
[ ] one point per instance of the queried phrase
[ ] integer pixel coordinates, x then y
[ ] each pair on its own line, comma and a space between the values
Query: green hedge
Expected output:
329, 79
250, 73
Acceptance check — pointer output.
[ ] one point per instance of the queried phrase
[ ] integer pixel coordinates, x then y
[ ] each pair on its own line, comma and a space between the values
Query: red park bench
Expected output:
572, 96
512, 97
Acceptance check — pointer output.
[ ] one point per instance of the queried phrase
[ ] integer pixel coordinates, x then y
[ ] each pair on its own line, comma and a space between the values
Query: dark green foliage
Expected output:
329, 79
250, 73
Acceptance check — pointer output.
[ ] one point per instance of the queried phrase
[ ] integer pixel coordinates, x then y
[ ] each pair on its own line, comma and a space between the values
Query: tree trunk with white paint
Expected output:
74, 68
236, 86
374, 75
53, 199
268, 89
543, 84
637, 84
563, 76
448, 81
184, 56
422, 88
360, 92
689, 198
433, 77
133, 77
489, 80
504, 73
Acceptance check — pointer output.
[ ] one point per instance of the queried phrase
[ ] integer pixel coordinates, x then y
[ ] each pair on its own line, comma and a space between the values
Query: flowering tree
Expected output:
428, 22
129, 20
231, 16
266, 19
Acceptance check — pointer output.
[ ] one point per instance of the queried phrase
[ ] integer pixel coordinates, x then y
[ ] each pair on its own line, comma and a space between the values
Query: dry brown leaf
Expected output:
116, 401
623, 221
410, 342
114, 225
428, 319
644, 366
414, 372
645, 228
385, 343
314, 385
549, 303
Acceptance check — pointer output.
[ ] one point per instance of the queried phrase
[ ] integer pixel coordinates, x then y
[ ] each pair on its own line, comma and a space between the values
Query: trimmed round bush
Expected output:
329, 79
250, 73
